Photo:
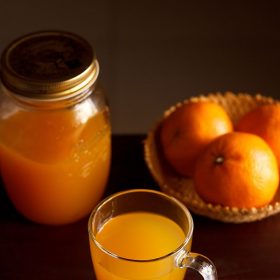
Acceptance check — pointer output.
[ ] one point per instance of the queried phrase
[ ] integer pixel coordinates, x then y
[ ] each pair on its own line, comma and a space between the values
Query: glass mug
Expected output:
144, 234
55, 133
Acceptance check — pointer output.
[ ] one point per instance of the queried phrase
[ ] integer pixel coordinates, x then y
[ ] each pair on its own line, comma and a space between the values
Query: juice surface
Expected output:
55, 164
138, 236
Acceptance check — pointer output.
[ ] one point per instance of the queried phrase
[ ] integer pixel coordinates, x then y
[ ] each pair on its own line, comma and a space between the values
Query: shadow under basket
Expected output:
236, 105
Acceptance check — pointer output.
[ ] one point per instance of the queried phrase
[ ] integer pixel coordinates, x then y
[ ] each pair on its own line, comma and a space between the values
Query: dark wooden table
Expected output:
31, 251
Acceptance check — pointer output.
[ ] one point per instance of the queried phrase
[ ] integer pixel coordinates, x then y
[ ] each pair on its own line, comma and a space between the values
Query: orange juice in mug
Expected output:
55, 134
143, 234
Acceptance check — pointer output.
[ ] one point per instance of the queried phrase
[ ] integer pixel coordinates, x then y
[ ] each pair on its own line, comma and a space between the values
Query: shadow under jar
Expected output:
55, 133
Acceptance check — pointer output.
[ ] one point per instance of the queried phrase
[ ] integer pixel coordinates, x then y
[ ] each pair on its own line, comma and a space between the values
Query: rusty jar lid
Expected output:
49, 65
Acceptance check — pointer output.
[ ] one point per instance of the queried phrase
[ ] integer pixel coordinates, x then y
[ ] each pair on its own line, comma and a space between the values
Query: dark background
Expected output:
156, 53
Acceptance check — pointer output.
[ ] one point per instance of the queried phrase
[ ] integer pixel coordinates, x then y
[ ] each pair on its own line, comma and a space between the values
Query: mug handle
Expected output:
200, 263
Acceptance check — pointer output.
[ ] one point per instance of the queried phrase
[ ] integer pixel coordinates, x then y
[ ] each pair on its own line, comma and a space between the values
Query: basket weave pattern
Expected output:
236, 105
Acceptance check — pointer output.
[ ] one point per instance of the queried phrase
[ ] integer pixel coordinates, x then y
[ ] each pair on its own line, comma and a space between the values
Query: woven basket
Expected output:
236, 105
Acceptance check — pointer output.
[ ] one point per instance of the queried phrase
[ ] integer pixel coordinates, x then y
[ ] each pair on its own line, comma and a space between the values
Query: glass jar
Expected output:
55, 133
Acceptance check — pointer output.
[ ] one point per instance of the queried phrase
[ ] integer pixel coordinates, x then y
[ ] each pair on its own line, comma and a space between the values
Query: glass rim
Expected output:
116, 256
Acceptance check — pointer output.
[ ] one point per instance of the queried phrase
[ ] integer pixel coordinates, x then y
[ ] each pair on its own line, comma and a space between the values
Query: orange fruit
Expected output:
264, 121
187, 130
237, 170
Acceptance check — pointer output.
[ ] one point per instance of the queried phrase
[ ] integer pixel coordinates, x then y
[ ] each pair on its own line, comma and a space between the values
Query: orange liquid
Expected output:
54, 164
138, 236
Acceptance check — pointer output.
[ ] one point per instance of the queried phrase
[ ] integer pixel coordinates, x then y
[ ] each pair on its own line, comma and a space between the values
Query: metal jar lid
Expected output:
49, 65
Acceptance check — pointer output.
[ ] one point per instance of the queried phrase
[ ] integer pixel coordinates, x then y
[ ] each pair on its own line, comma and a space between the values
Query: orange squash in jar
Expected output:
55, 133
